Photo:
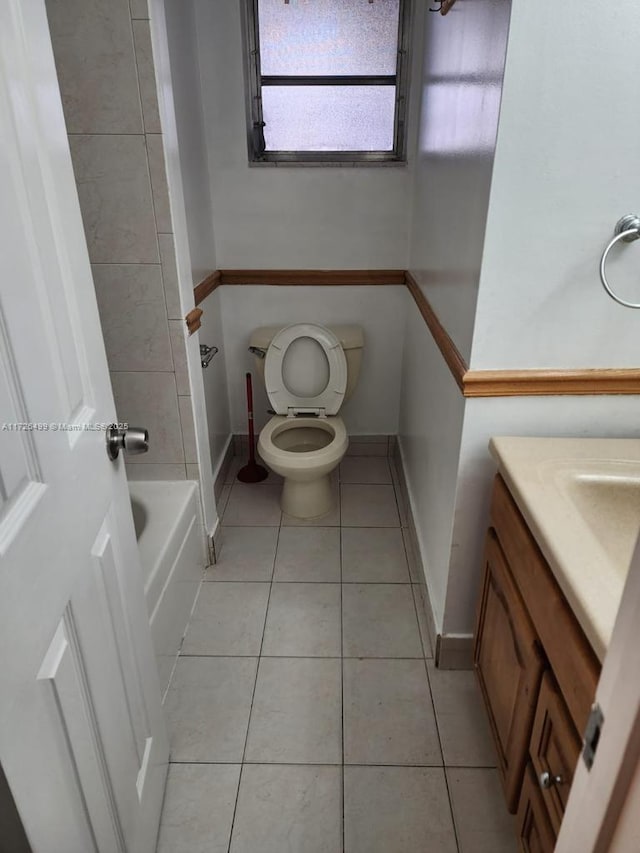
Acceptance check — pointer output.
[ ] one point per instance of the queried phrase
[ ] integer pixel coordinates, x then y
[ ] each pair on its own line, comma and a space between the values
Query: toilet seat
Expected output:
329, 400
307, 459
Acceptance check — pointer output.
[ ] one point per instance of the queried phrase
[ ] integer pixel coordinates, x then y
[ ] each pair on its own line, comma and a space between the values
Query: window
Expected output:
328, 80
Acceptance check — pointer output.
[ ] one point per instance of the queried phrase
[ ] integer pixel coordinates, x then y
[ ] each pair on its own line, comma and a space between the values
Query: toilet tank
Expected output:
351, 339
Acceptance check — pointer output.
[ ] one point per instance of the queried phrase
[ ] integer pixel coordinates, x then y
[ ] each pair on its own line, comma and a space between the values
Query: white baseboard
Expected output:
222, 467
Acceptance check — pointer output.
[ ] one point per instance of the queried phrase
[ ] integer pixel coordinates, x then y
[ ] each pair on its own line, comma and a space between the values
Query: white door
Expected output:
82, 737
602, 813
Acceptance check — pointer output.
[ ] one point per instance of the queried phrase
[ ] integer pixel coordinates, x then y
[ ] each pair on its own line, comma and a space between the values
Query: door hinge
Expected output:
592, 734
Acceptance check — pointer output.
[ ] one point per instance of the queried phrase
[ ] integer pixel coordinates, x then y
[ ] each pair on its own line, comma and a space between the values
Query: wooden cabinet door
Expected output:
509, 666
534, 828
574, 664
554, 749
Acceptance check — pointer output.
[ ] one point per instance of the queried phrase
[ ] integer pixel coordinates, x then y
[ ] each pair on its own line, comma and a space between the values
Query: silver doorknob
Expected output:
131, 441
548, 781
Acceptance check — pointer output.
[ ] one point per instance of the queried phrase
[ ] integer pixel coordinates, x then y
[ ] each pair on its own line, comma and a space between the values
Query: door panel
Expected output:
63, 673
534, 829
509, 666
21, 483
555, 748
82, 737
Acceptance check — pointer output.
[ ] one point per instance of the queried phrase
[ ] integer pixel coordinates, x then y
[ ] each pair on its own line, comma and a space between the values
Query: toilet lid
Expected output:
289, 401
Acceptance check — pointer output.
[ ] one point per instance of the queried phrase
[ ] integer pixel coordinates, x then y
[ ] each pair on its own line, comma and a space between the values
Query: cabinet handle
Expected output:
548, 781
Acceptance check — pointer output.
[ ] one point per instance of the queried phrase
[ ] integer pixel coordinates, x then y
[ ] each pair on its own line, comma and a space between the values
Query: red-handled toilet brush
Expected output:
251, 472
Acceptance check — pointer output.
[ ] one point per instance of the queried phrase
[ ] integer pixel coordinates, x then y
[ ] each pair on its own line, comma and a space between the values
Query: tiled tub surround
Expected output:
305, 709
106, 73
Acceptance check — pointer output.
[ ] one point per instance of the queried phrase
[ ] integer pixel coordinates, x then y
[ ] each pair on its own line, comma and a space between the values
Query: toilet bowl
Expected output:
304, 451
307, 376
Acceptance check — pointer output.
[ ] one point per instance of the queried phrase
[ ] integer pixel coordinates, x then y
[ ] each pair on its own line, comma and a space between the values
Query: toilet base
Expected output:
307, 499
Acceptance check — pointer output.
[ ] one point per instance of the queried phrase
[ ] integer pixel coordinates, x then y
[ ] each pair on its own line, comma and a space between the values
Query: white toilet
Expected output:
308, 370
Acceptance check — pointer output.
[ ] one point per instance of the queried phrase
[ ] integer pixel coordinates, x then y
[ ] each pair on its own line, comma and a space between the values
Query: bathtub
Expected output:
167, 521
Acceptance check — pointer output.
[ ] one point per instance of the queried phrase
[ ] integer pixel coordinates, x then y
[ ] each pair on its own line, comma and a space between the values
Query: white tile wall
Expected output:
139, 9
112, 176
177, 332
159, 183
134, 317
106, 70
188, 430
138, 470
96, 65
170, 276
150, 400
146, 77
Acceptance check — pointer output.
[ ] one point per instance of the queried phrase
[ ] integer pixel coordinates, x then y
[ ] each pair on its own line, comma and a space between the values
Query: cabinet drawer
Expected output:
554, 749
534, 828
509, 666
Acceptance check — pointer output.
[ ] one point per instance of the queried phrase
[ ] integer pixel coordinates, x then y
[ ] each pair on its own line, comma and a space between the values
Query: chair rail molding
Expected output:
531, 382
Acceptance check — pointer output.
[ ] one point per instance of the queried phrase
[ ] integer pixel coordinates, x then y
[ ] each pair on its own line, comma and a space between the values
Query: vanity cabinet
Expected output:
554, 749
534, 828
537, 674
509, 666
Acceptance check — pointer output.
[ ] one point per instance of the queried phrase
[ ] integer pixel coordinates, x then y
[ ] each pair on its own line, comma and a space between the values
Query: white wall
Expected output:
460, 98
566, 171
431, 415
380, 310
560, 181
187, 98
198, 215
289, 216
460, 101
215, 378
583, 417
509, 240
174, 74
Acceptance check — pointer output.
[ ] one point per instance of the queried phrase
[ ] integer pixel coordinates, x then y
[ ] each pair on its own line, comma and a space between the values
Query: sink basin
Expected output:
606, 495
581, 500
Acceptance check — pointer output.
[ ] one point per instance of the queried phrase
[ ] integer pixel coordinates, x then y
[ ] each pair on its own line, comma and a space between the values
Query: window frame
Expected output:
255, 120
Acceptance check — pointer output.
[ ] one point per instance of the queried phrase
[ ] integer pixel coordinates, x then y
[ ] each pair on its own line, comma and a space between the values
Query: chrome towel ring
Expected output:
627, 230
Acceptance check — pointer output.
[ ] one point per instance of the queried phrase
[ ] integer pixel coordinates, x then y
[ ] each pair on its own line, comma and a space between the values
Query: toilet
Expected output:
308, 371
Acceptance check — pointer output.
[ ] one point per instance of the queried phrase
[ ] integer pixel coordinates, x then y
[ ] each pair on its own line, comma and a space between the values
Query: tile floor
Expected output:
306, 713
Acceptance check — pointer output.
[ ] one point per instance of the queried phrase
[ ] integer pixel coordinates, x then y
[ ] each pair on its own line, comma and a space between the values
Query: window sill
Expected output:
330, 164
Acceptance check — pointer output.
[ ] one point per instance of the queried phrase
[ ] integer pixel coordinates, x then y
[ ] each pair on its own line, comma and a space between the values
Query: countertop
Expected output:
581, 500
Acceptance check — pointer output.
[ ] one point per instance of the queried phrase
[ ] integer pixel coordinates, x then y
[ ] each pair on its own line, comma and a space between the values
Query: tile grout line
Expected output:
308, 526
398, 497
426, 671
396, 490
342, 815
308, 657
253, 694
406, 557
415, 610
317, 583
334, 764
444, 767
